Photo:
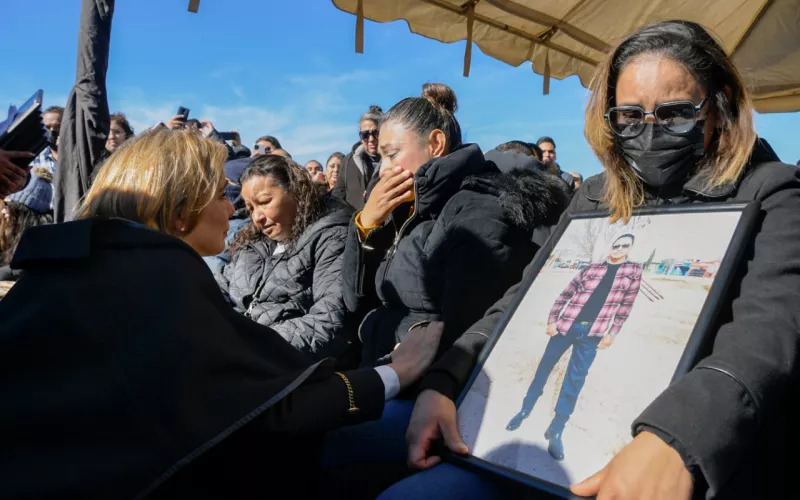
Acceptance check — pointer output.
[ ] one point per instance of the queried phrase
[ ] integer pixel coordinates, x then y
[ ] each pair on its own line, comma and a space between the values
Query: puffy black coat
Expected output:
297, 293
731, 417
469, 238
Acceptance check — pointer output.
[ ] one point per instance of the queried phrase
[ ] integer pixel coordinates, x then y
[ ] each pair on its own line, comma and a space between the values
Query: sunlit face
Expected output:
313, 167
268, 146
116, 136
208, 235
548, 152
332, 171
368, 131
271, 208
400, 147
650, 80
52, 121
620, 249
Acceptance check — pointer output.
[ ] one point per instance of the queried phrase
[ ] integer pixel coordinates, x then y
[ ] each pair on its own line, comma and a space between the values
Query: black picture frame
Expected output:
699, 340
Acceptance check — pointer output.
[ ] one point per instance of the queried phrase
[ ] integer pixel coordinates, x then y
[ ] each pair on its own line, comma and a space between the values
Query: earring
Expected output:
183, 229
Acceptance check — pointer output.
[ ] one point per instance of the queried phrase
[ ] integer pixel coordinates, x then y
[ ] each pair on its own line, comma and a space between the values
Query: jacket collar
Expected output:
439, 179
77, 240
697, 184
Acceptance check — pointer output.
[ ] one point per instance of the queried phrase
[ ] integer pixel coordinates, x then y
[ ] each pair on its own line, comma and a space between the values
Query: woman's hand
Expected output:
415, 353
176, 122
237, 139
646, 469
394, 188
434, 416
208, 128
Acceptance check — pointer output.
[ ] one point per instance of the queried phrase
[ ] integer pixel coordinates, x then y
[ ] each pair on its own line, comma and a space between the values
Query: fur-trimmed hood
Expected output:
531, 198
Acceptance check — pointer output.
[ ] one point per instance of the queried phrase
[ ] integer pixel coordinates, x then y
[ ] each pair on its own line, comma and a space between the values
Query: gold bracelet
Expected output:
353, 408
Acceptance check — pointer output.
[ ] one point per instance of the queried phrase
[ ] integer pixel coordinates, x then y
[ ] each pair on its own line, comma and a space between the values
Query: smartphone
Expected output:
228, 136
183, 111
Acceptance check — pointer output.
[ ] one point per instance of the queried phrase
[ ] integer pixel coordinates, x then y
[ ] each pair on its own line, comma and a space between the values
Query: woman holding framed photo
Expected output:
672, 123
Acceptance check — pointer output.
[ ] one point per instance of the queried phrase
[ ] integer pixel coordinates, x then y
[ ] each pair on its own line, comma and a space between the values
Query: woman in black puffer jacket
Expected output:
443, 233
286, 268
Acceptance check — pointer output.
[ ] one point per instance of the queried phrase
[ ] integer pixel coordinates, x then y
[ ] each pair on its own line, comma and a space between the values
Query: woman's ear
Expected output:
180, 227
437, 144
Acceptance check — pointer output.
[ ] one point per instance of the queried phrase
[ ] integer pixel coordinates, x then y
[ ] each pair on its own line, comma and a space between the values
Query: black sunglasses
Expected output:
676, 118
364, 134
621, 245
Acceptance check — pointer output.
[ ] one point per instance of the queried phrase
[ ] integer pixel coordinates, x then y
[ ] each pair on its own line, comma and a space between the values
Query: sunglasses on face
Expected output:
624, 246
676, 118
364, 134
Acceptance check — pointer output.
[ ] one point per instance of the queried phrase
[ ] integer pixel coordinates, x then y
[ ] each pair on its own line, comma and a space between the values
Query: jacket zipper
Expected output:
258, 290
393, 248
362, 268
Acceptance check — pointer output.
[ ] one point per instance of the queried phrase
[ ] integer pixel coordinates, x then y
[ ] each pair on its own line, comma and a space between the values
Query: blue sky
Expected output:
289, 69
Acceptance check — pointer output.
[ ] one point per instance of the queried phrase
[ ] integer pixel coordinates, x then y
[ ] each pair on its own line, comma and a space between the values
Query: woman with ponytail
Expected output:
443, 233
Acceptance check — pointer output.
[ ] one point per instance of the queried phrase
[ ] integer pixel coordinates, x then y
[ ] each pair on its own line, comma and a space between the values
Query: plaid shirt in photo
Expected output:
617, 306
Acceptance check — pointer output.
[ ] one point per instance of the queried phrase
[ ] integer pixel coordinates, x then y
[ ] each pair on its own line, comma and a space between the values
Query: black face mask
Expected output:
52, 139
659, 158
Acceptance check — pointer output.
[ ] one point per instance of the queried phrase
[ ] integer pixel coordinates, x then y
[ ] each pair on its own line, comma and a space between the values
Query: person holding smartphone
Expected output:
12, 177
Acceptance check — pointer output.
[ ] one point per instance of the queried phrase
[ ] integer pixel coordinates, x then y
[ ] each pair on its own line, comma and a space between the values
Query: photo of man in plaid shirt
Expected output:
586, 316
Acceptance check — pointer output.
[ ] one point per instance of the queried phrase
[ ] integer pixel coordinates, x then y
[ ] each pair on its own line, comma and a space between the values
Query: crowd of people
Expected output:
193, 318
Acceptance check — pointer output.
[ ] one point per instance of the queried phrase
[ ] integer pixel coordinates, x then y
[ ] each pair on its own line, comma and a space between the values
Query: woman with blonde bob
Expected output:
135, 378
672, 123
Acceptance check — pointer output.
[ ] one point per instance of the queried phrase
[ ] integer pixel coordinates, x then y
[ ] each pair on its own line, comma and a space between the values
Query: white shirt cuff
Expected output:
391, 383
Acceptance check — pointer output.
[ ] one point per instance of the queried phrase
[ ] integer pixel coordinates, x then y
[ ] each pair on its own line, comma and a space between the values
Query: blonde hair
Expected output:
692, 46
157, 179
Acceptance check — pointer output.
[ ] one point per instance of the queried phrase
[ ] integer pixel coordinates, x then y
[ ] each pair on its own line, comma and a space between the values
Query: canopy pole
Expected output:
546, 72
360, 27
194, 5
468, 50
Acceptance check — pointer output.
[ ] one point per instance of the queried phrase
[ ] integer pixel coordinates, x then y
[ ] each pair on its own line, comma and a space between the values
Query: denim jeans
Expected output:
584, 350
360, 461
447, 481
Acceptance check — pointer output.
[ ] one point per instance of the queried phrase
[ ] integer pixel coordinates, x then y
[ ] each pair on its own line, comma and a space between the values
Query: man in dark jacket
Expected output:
86, 122
585, 322
297, 293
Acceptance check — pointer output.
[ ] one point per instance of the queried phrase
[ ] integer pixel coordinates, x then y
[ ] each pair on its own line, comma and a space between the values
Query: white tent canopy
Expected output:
570, 37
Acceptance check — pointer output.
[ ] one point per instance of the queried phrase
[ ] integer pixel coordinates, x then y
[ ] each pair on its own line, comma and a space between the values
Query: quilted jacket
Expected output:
298, 293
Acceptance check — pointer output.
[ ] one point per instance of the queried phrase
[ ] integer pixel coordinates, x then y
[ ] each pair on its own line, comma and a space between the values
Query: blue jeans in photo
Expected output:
584, 350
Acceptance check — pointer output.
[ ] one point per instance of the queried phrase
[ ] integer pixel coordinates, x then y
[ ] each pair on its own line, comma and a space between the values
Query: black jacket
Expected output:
508, 161
297, 293
468, 239
354, 177
86, 121
730, 417
141, 377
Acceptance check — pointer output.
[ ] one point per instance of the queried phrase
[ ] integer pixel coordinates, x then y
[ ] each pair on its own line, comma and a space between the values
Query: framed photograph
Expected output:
608, 317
